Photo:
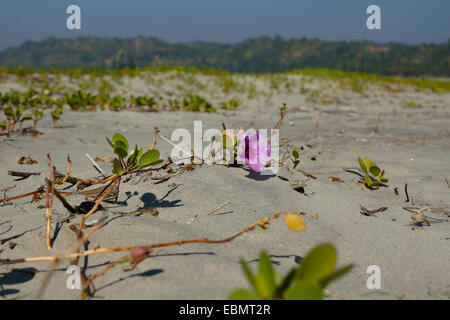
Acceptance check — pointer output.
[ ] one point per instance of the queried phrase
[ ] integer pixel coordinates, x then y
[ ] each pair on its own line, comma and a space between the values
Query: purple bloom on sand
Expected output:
254, 150
51, 77
74, 81
36, 75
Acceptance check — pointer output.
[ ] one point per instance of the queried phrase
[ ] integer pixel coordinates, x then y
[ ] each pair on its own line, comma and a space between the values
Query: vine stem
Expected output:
260, 223
49, 202
97, 203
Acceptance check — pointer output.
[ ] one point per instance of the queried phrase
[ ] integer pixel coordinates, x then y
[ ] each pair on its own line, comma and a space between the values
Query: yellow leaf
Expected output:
228, 139
295, 222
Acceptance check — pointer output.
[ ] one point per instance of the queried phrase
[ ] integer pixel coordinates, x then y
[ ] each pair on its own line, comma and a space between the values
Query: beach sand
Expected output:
412, 145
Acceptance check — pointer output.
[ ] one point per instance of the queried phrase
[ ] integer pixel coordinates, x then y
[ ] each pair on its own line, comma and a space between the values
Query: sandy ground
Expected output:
412, 145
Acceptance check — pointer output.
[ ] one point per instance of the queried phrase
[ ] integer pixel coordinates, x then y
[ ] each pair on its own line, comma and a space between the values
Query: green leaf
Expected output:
362, 165
318, 264
375, 171
285, 283
9, 112
3, 124
117, 168
384, 180
278, 277
369, 181
26, 117
228, 140
132, 159
133, 167
149, 158
243, 295
38, 114
110, 142
304, 291
250, 277
335, 275
120, 151
266, 277
295, 153
120, 138
140, 151
368, 163
19, 112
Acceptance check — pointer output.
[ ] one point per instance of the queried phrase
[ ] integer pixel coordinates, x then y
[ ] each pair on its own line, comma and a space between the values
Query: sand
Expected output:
412, 145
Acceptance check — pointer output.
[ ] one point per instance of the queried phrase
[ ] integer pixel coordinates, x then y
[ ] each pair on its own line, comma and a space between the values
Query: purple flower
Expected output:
36, 75
74, 81
254, 150
51, 77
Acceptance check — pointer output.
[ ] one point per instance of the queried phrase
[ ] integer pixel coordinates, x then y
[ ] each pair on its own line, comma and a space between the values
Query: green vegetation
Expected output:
136, 160
15, 116
295, 157
307, 282
196, 103
37, 115
55, 88
56, 115
259, 55
231, 104
355, 81
374, 176
412, 104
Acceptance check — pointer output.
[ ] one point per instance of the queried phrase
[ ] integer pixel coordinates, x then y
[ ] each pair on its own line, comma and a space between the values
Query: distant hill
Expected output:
259, 55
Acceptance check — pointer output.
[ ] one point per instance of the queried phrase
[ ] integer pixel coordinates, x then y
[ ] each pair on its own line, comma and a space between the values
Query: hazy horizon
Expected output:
178, 21
219, 42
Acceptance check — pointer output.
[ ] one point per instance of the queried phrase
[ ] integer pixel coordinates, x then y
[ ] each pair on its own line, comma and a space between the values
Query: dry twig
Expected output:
218, 208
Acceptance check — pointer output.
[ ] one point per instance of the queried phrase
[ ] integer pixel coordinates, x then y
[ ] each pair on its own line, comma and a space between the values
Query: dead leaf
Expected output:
104, 159
336, 179
26, 160
371, 213
306, 174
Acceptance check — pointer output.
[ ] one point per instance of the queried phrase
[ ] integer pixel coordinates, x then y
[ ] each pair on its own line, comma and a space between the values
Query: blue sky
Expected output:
408, 21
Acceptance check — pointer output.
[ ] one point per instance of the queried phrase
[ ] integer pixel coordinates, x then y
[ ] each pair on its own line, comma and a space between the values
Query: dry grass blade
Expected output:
95, 164
375, 130
218, 208
316, 126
